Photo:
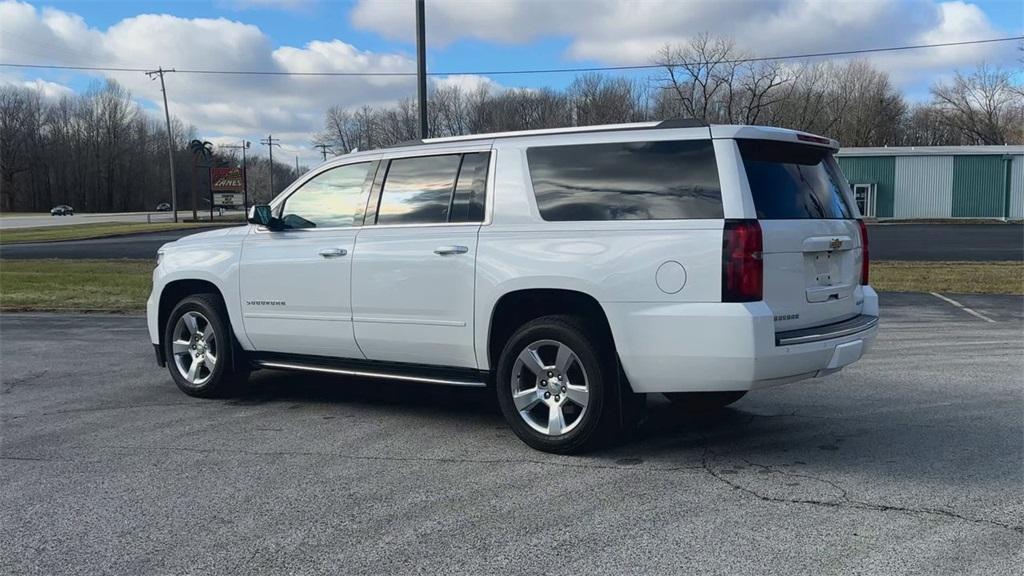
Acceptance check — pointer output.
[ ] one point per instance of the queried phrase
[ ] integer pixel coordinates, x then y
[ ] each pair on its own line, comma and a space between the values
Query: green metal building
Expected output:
937, 181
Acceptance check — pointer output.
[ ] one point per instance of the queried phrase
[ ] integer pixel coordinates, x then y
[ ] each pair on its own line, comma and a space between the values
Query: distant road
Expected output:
8, 222
130, 246
931, 242
922, 242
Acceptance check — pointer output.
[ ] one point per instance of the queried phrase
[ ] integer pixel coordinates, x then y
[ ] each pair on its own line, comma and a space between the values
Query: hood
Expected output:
209, 236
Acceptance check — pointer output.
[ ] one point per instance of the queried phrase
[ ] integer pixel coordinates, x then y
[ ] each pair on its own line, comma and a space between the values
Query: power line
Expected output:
527, 71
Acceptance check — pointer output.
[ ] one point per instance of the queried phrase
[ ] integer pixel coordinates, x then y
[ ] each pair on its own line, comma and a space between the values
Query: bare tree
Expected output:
985, 105
20, 114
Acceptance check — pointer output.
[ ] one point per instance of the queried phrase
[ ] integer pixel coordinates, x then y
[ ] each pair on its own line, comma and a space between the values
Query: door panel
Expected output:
412, 294
295, 300
295, 283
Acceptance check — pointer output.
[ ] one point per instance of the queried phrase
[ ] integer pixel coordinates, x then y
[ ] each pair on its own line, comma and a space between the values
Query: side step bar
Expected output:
368, 372
849, 327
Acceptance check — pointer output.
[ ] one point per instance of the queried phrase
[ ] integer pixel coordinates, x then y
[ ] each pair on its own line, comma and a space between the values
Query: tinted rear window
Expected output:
626, 181
418, 190
793, 181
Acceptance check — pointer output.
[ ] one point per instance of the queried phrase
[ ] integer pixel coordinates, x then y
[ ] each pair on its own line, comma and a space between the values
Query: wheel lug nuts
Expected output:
557, 397
547, 395
563, 388
550, 374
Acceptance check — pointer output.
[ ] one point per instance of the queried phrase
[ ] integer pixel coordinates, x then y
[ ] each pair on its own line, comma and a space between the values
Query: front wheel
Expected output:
553, 380
198, 347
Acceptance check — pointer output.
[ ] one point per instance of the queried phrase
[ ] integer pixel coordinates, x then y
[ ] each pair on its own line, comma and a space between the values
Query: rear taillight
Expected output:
742, 264
865, 259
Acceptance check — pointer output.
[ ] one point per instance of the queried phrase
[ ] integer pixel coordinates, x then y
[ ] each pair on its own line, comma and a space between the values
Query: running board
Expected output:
368, 373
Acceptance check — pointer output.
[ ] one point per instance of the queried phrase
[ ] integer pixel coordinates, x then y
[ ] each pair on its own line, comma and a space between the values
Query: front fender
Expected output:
215, 263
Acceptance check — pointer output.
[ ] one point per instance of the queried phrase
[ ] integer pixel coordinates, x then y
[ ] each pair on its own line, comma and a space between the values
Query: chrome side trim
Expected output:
366, 374
849, 327
414, 321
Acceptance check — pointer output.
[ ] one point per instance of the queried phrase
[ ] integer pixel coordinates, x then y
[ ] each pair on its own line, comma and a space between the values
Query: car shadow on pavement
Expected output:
273, 386
755, 435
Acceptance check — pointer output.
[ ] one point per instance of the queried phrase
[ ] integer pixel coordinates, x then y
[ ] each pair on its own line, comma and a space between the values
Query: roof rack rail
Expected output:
682, 122
670, 123
405, 143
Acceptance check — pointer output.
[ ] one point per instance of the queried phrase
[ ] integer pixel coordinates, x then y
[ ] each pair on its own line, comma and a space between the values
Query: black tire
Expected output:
226, 373
700, 402
593, 364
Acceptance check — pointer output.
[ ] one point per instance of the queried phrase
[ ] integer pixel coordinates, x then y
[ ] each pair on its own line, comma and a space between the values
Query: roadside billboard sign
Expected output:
226, 186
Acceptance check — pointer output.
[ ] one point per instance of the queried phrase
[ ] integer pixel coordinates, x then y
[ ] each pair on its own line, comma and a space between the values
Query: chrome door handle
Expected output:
449, 250
333, 252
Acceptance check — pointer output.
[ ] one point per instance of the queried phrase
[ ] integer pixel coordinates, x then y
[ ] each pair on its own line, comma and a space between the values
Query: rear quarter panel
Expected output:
612, 261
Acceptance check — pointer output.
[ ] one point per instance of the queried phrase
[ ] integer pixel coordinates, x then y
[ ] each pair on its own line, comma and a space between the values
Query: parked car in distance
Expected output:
571, 270
163, 207
62, 210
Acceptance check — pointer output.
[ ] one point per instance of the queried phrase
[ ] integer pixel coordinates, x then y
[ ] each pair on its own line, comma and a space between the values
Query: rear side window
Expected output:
418, 190
793, 181
468, 200
626, 181
434, 189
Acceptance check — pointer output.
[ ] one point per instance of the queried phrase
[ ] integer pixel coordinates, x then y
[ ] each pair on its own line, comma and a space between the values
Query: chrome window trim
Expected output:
488, 193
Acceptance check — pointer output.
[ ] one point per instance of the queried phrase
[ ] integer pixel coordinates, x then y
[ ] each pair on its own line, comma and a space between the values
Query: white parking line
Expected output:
964, 308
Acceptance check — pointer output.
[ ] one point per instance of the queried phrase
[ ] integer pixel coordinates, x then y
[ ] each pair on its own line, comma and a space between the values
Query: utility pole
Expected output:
245, 173
323, 149
170, 139
296, 165
421, 65
269, 143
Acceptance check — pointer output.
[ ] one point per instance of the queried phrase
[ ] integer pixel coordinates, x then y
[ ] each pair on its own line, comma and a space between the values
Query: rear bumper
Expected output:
842, 329
697, 347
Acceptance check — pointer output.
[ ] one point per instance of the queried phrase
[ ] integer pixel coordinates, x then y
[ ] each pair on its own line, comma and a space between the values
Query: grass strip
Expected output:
79, 285
955, 277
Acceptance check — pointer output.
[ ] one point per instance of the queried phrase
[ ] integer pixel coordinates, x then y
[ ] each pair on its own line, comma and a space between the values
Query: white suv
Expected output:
574, 270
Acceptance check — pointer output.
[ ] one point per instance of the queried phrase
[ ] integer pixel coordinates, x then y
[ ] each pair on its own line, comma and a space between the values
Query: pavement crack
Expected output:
843, 501
10, 384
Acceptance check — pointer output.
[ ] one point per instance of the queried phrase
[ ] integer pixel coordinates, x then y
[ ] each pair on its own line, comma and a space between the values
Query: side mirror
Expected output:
262, 215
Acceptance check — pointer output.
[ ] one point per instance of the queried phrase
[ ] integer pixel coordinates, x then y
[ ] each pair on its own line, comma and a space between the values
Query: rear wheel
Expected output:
697, 402
198, 347
553, 380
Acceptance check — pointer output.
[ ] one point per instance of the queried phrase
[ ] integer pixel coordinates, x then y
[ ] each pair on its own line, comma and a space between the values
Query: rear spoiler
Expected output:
769, 133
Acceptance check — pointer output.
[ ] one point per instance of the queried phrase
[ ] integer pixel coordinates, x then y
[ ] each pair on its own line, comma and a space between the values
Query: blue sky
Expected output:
362, 35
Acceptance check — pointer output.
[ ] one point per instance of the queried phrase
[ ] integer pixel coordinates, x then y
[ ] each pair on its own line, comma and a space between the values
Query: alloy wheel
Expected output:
550, 389
194, 347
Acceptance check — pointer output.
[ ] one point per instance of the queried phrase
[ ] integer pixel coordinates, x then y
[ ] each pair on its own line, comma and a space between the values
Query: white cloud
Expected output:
48, 90
621, 32
218, 105
467, 82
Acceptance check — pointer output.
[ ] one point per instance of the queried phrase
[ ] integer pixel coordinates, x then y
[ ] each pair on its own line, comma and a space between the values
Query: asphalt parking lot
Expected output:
908, 462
